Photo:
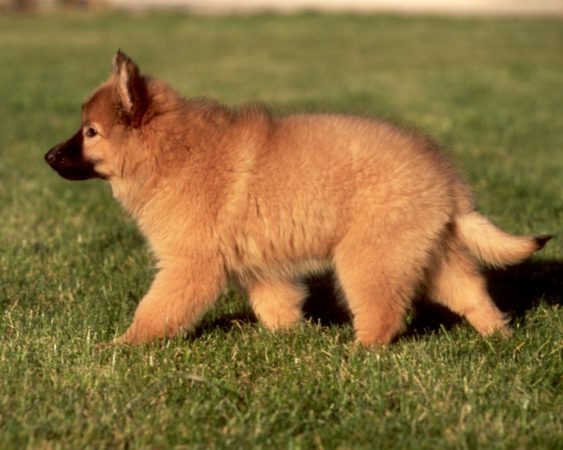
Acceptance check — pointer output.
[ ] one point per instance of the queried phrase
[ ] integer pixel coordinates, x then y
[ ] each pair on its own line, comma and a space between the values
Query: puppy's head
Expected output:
111, 117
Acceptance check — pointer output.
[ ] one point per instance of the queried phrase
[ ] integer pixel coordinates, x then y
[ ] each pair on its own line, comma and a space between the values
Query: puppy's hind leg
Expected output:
455, 282
178, 296
379, 279
277, 302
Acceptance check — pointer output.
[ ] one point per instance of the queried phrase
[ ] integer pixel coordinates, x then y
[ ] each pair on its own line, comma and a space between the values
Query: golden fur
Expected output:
224, 194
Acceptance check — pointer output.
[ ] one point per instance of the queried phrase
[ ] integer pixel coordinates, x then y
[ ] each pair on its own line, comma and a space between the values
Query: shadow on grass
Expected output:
515, 290
224, 322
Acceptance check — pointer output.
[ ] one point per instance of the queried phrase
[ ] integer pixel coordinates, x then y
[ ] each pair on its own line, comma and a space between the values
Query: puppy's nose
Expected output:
51, 155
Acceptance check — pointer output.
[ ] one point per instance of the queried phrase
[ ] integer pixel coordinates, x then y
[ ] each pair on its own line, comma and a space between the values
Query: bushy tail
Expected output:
493, 246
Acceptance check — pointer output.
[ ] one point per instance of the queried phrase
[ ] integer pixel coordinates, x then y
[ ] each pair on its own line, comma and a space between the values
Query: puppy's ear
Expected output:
131, 88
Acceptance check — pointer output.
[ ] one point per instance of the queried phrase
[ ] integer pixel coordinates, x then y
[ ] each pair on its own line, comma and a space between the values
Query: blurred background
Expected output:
496, 7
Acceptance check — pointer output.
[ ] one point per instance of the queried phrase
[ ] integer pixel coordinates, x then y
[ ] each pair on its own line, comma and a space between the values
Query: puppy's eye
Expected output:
90, 132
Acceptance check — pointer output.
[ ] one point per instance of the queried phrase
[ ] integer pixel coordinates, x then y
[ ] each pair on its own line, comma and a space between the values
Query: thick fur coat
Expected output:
236, 194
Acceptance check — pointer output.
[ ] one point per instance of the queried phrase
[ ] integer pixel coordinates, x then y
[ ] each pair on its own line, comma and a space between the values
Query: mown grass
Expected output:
73, 266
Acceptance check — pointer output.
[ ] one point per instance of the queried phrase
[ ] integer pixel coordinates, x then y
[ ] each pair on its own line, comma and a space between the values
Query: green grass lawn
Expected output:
73, 266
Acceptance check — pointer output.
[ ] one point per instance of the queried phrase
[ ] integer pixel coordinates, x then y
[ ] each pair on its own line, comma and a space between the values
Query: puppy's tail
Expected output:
491, 245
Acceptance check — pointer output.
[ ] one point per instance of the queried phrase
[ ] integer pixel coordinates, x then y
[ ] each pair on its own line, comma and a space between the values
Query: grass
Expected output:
73, 266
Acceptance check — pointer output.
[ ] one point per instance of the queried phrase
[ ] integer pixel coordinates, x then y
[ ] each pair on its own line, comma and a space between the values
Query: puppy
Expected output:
237, 194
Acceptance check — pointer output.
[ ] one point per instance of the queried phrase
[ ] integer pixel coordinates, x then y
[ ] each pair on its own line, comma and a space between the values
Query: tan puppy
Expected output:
237, 194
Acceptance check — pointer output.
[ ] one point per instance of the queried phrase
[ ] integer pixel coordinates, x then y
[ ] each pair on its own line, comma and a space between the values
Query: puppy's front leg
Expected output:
179, 295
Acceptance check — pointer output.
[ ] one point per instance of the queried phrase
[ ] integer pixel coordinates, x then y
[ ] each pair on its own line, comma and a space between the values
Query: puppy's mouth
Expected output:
75, 173
67, 160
